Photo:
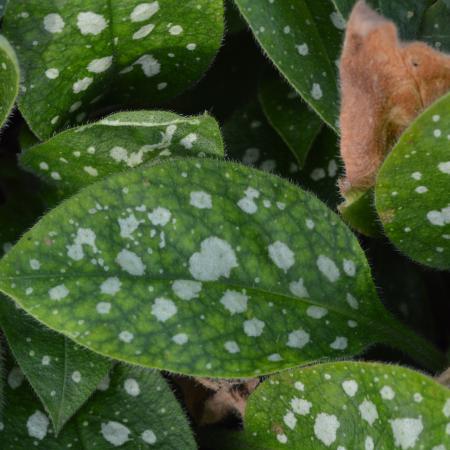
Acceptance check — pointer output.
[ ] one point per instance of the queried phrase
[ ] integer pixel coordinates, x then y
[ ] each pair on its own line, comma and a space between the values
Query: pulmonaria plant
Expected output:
165, 268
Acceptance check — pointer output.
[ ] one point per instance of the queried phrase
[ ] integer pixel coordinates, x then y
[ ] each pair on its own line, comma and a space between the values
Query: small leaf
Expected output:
294, 121
134, 409
92, 55
349, 405
303, 39
9, 79
250, 139
322, 169
62, 374
80, 156
413, 185
184, 265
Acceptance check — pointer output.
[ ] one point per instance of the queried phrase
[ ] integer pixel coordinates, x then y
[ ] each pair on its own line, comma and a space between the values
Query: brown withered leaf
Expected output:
385, 84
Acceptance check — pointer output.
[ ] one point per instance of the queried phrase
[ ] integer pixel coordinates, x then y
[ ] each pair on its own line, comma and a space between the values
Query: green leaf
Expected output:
292, 119
9, 79
80, 156
303, 39
412, 188
349, 405
407, 14
358, 211
323, 169
434, 28
251, 140
61, 373
135, 409
98, 54
184, 265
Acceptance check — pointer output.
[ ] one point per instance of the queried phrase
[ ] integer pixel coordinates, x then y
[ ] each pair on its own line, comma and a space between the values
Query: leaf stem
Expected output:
395, 334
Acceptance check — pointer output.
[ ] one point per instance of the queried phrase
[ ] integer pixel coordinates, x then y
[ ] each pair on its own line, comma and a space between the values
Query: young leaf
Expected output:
80, 156
184, 265
134, 409
412, 188
349, 405
303, 39
94, 54
62, 374
9, 79
292, 119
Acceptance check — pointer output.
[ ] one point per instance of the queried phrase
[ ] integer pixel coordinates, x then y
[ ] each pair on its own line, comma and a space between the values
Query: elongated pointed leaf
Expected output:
349, 405
289, 115
412, 189
62, 374
135, 409
183, 266
85, 56
80, 156
303, 39
9, 79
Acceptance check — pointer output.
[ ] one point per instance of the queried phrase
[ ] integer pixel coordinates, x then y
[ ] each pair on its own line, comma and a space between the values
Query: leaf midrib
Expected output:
307, 301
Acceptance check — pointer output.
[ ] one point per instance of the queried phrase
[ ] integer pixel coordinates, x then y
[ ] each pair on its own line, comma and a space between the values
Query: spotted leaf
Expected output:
303, 39
434, 29
80, 156
61, 373
134, 408
184, 265
413, 185
97, 54
349, 405
294, 121
9, 79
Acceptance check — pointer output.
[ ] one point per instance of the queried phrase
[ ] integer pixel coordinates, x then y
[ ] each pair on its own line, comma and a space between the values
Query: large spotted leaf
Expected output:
89, 55
349, 405
412, 191
290, 116
80, 156
9, 79
303, 39
184, 266
61, 373
133, 409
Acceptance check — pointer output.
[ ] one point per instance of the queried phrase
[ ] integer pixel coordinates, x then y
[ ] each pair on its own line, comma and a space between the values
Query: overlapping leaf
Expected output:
412, 188
62, 374
349, 405
94, 54
303, 38
293, 120
9, 79
134, 409
434, 28
184, 265
80, 156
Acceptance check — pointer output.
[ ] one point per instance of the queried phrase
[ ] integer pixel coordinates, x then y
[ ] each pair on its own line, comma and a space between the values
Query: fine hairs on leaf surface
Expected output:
133, 408
349, 405
419, 167
200, 230
96, 54
81, 156
176, 269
